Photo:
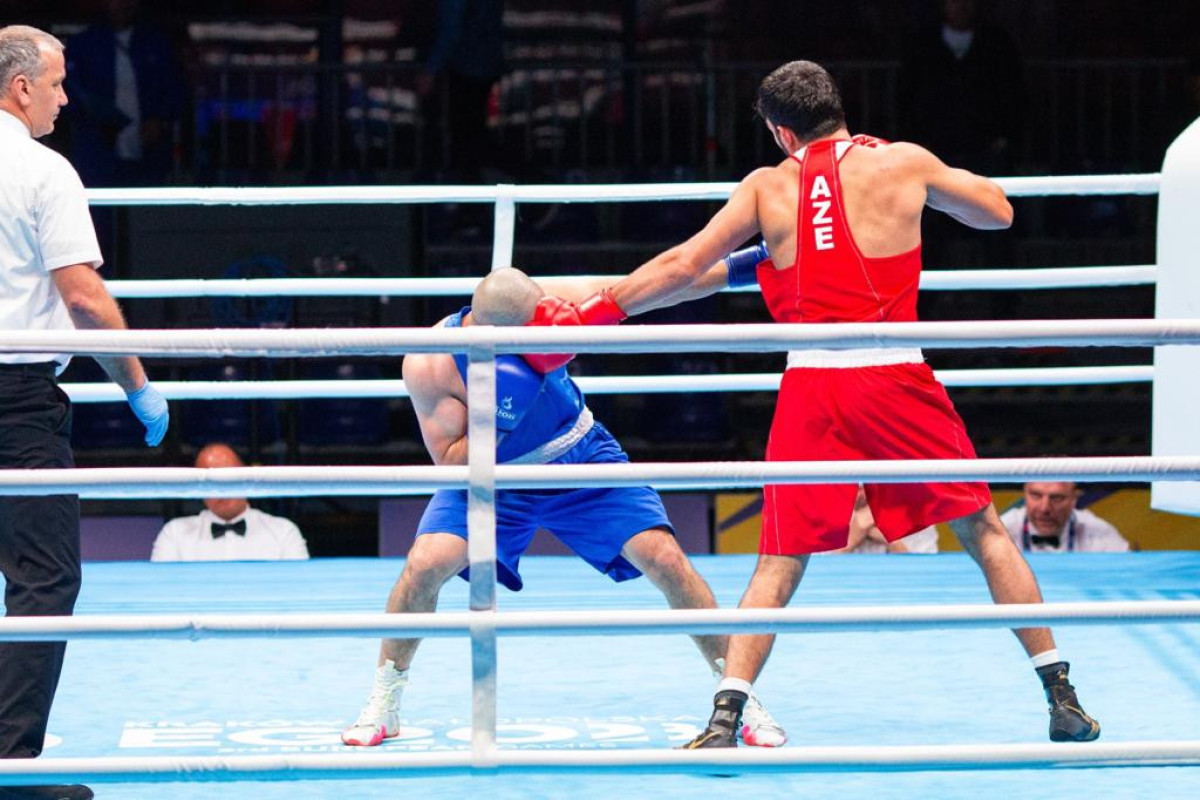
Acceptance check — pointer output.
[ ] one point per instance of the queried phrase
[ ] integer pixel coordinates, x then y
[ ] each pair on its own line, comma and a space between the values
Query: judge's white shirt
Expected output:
267, 538
923, 541
1084, 533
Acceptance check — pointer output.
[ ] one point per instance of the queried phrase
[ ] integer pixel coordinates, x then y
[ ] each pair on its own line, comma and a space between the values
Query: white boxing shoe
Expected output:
380, 718
759, 728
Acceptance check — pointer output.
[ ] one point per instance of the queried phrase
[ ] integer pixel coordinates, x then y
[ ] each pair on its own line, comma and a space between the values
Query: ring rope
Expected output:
307, 481
594, 385
623, 622
936, 280
873, 758
483, 351
484, 754
753, 338
1038, 186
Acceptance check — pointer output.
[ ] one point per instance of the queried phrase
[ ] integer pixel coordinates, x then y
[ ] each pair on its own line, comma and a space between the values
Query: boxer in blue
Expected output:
540, 419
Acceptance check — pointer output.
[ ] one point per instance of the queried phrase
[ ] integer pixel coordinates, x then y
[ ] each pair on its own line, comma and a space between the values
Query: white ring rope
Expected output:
483, 622
756, 338
622, 622
936, 280
1041, 186
869, 758
307, 481
595, 385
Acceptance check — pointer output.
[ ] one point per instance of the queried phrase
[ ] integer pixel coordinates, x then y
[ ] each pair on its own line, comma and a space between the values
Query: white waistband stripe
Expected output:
864, 357
561, 445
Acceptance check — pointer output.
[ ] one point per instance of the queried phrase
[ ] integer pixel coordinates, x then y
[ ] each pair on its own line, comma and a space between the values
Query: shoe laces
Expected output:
382, 699
1060, 694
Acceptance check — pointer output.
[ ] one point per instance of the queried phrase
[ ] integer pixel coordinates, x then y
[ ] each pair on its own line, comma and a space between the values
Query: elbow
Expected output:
84, 308
1004, 214
1002, 210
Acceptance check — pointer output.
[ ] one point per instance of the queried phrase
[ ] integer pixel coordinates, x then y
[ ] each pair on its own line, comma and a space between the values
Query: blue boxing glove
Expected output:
517, 388
743, 264
150, 407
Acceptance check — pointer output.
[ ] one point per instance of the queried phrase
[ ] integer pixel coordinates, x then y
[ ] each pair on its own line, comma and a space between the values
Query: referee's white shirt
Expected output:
44, 226
267, 538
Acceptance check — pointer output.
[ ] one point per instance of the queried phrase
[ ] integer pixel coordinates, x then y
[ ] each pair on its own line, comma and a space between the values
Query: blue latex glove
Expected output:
150, 407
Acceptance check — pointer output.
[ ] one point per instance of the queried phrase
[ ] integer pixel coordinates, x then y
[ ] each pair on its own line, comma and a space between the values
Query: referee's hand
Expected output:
150, 407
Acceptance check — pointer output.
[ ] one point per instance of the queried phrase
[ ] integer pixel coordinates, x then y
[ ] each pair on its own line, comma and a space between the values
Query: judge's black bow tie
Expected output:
1051, 541
219, 529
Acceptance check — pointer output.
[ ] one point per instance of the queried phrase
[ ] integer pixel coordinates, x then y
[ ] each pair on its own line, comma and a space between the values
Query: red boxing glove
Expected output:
599, 309
552, 310
868, 141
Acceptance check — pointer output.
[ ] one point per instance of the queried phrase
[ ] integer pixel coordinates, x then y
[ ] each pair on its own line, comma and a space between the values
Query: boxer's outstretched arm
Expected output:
711, 281
672, 276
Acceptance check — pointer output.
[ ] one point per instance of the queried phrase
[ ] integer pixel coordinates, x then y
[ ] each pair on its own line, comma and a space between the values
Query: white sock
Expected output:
734, 684
1045, 659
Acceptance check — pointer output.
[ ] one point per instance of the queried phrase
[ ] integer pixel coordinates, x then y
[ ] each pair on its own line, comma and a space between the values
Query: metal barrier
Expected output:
656, 118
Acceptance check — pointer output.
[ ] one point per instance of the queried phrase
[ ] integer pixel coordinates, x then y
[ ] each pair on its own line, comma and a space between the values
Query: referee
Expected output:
48, 281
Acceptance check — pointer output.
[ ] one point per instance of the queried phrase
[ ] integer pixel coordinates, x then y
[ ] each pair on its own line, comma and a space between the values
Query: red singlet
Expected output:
853, 405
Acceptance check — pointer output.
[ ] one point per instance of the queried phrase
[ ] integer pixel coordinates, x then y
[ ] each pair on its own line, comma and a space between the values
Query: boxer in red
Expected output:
841, 222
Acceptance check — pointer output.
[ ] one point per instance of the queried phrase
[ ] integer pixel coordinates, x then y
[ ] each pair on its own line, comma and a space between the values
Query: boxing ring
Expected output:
866, 694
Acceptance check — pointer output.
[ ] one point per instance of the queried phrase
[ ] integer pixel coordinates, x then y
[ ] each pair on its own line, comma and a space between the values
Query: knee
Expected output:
49, 595
660, 557
982, 532
776, 577
430, 567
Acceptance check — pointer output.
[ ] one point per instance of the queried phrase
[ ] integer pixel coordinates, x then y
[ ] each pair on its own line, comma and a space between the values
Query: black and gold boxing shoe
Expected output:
1068, 721
723, 726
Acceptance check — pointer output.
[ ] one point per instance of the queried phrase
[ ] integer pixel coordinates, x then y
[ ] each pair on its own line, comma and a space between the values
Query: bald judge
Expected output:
228, 529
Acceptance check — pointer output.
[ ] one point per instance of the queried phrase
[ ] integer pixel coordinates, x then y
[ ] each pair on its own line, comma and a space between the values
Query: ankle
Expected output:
1045, 658
727, 709
1054, 674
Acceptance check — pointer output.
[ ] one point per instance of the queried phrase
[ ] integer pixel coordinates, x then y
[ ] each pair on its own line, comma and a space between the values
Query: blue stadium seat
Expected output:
99, 426
343, 420
253, 312
229, 421
689, 416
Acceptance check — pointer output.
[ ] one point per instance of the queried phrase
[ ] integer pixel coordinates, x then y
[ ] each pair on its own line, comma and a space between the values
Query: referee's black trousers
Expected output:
39, 551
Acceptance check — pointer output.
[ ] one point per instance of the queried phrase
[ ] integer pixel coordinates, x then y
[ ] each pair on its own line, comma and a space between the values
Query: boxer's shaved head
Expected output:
506, 296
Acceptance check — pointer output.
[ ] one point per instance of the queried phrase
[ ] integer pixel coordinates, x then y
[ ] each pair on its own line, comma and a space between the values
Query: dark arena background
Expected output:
350, 93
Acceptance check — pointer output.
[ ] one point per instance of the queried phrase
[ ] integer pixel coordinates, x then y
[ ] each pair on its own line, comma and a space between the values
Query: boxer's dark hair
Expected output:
803, 97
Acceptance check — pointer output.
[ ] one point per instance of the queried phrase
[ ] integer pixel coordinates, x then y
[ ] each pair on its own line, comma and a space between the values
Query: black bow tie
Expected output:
219, 529
1052, 541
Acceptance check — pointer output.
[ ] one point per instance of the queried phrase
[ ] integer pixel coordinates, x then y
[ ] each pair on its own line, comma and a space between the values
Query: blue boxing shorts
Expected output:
594, 523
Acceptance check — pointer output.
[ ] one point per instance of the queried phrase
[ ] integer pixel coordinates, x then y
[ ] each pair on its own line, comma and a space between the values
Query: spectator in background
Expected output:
468, 50
1049, 522
228, 529
129, 94
962, 91
865, 537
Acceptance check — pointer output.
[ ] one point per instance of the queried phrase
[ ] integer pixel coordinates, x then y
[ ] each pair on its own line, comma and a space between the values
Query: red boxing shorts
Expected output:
877, 413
